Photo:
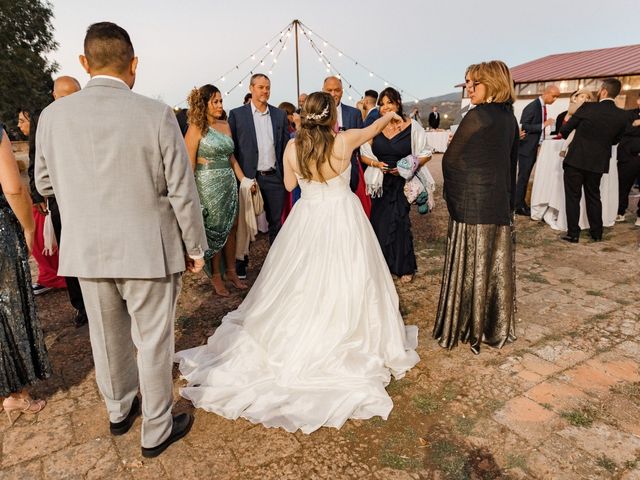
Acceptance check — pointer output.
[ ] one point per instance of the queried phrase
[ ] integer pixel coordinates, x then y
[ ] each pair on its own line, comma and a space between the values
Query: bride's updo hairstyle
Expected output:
314, 140
199, 106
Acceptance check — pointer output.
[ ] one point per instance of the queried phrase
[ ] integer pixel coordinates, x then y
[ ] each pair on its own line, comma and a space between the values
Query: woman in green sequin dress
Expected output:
210, 148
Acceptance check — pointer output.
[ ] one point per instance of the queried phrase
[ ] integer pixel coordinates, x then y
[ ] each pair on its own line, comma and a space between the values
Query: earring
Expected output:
490, 99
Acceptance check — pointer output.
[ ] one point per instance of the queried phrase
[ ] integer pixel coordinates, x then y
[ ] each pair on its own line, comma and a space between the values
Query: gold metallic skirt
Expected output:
478, 295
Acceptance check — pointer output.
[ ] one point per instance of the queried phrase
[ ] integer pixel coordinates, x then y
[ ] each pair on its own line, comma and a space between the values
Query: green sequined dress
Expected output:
218, 190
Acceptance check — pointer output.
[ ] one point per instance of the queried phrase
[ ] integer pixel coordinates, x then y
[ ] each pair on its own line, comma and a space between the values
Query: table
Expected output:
547, 195
438, 140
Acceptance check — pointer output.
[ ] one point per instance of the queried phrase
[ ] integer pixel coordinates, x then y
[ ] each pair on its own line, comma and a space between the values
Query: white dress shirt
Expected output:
339, 107
111, 78
264, 136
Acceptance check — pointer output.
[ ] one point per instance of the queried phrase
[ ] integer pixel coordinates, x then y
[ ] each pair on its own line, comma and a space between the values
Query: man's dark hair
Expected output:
107, 45
371, 93
612, 86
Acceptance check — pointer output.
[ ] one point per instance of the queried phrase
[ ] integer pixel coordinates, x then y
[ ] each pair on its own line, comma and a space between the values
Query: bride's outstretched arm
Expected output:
289, 158
359, 136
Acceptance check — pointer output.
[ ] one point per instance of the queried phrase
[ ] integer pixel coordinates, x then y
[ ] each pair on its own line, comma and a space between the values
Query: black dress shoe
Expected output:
181, 425
596, 238
524, 211
123, 427
241, 268
80, 319
570, 239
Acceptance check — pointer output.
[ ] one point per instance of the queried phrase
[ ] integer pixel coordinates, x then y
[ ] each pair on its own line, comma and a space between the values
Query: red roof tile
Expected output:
604, 62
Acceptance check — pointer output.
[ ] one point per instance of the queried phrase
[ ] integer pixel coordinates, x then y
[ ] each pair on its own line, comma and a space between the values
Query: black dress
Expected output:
23, 355
390, 212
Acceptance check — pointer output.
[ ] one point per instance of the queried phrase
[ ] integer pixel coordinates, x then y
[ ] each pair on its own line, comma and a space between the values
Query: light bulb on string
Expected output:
275, 60
253, 57
370, 74
339, 54
270, 72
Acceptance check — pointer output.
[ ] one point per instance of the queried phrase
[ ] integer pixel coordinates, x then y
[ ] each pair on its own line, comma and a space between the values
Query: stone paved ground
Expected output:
562, 402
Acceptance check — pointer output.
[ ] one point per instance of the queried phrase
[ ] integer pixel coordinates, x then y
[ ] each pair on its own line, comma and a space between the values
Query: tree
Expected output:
26, 36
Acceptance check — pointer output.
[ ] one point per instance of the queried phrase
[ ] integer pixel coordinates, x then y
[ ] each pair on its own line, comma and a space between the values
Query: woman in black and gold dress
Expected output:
23, 355
477, 299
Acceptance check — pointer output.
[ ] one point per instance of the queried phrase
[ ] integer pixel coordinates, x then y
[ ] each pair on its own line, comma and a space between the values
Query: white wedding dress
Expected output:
319, 335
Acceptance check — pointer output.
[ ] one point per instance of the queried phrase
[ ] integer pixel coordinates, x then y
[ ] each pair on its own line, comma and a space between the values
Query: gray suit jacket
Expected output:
119, 168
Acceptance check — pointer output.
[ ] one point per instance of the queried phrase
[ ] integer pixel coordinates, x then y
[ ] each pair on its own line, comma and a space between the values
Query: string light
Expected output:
372, 74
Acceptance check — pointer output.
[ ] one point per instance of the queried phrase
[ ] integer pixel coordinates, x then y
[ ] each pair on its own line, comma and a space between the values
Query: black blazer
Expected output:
598, 126
243, 131
434, 122
531, 121
559, 122
351, 117
480, 164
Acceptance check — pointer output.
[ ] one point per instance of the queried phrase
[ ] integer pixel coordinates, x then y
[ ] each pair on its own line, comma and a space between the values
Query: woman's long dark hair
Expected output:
393, 96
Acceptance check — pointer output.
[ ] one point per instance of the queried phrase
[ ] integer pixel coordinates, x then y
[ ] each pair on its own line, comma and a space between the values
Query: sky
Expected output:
420, 46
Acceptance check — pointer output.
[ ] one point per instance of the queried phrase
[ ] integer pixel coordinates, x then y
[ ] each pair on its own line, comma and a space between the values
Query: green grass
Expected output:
450, 460
594, 293
465, 425
399, 462
534, 277
427, 404
547, 406
516, 461
606, 463
398, 386
579, 418
631, 390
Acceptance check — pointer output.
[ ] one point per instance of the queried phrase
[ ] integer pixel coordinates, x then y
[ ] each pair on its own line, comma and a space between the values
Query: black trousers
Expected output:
73, 286
273, 192
575, 179
525, 165
628, 172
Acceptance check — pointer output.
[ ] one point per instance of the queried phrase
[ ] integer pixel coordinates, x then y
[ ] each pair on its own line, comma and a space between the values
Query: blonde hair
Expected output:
496, 78
315, 139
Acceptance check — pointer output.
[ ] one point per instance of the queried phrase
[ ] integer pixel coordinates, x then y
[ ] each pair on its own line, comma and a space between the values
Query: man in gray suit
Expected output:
118, 166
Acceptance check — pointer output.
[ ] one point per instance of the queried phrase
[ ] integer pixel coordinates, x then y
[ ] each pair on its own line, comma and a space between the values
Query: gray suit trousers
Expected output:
132, 338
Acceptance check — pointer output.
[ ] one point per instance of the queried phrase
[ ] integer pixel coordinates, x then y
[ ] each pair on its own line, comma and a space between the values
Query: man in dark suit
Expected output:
434, 118
598, 126
260, 136
348, 117
533, 121
629, 163
371, 104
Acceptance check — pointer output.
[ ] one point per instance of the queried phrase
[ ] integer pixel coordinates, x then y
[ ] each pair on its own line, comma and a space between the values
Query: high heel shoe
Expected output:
233, 277
218, 285
22, 405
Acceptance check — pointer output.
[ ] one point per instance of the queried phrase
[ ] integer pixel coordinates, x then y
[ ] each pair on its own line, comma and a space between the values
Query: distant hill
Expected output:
448, 104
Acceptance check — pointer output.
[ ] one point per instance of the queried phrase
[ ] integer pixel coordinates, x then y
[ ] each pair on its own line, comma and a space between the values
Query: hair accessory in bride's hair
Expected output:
318, 116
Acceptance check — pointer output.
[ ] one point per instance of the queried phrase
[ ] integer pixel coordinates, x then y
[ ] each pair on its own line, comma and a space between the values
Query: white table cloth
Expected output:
547, 195
438, 140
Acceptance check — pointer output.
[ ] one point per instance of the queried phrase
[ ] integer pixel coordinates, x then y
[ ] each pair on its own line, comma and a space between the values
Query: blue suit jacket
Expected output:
372, 116
352, 118
243, 131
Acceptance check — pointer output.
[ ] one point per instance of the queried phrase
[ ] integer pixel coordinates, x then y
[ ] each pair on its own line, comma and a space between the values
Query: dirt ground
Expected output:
561, 402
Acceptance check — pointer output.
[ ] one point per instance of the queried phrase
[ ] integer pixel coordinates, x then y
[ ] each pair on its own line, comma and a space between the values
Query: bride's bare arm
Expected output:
289, 157
355, 137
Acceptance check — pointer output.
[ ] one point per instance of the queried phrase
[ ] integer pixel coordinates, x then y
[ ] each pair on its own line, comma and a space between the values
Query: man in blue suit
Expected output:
371, 104
533, 121
348, 117
260, 136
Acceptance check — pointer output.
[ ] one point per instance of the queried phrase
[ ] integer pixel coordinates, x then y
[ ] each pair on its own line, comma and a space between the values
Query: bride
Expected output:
319, 335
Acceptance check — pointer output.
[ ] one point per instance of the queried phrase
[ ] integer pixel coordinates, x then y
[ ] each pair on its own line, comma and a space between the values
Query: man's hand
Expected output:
42, 208
549, 122
636, 123
194, 265
522, 134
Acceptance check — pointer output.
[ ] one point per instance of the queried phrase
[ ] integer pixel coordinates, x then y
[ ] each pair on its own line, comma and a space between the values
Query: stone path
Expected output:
562, 402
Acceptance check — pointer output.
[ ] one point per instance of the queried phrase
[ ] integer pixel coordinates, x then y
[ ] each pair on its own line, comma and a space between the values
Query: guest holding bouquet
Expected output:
389, 205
